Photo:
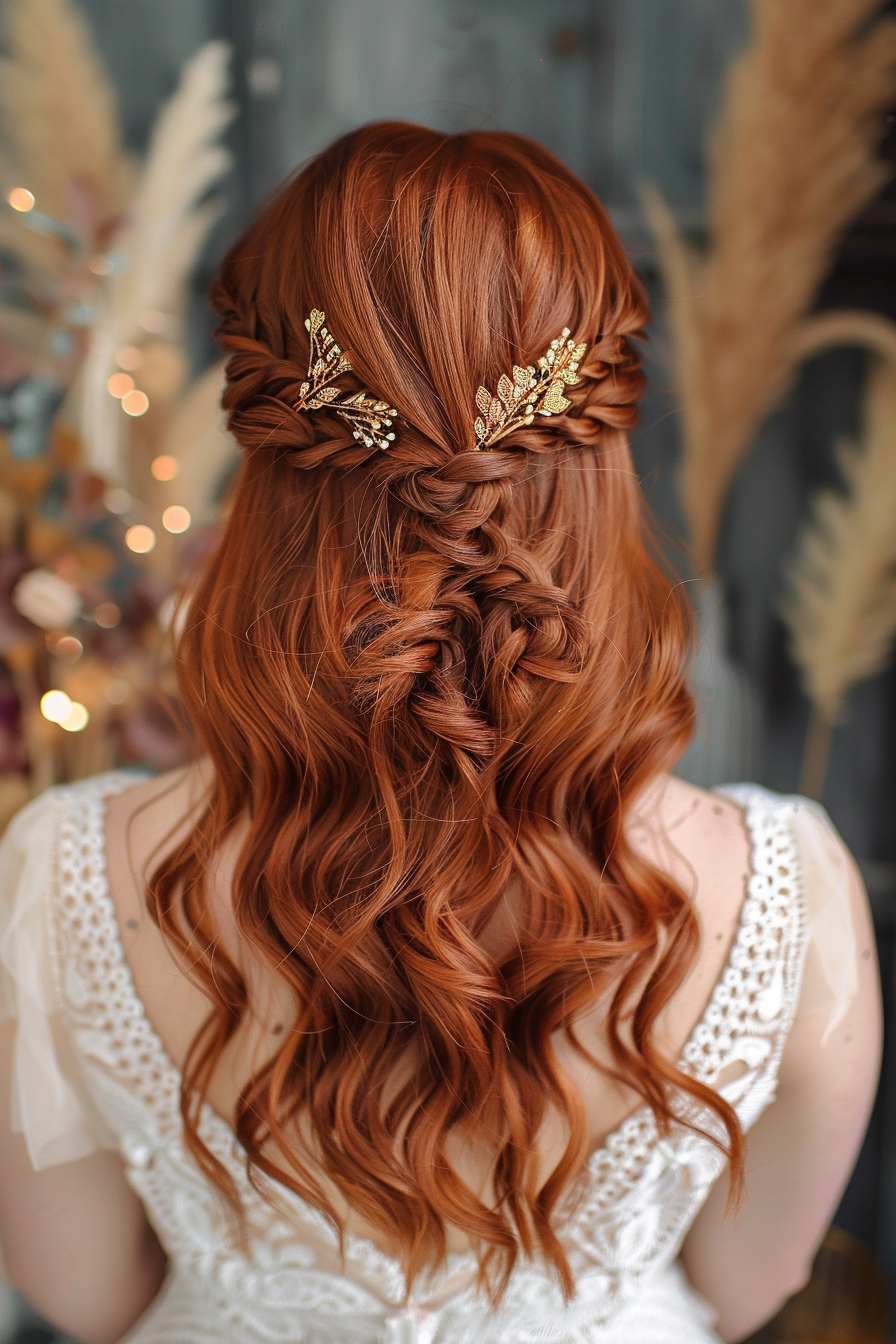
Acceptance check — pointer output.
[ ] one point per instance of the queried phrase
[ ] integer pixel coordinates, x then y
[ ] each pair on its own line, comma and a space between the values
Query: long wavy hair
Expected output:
425, 677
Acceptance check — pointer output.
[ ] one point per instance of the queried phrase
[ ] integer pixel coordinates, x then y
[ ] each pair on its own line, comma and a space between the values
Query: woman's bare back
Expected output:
697, 838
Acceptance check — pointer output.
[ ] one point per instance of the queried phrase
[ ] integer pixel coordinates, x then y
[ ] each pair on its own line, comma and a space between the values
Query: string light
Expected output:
120, 384
164, 468
56, 705
176, 518
21, 199
134, 403
140, 538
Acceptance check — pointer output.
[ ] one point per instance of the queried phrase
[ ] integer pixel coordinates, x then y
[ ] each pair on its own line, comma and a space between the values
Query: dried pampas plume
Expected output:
168, 220
61, 142
58, 110
840, 603
197, 437
792, 161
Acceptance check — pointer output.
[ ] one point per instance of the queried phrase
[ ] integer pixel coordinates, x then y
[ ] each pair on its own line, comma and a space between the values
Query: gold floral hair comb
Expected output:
369, 417
532, 391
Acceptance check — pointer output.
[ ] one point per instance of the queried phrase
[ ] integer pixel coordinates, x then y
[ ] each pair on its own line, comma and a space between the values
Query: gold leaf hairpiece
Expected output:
369, 417
536, 390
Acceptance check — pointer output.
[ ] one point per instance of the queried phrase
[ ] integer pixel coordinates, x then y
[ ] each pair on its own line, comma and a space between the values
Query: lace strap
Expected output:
752, 1007
97, 986
746, 1020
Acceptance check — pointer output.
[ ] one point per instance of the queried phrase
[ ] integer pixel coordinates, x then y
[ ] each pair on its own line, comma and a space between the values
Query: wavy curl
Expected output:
426, 675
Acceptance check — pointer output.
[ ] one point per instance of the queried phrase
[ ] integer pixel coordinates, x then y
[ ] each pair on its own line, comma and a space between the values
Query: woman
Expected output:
425, 1005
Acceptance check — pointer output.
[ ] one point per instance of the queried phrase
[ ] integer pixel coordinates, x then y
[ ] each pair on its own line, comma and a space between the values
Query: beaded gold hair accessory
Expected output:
536, 390
369, 417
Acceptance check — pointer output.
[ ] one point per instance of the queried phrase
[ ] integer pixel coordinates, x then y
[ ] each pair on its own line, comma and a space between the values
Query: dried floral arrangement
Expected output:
792, 161
111, 465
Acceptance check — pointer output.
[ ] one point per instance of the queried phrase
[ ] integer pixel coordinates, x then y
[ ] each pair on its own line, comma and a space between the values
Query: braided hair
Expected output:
426, 675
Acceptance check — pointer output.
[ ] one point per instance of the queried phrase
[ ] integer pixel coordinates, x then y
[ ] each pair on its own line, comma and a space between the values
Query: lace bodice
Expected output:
622, 1224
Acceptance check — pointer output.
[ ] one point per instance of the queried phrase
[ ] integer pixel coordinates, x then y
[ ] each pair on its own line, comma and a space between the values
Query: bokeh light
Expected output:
107, 615
129, 357
55, 705
164, 468
21, 199
140, 538
154, 320
117, 500
120, 384
118, 691
65, 646
176, 518
134, 403
76, 719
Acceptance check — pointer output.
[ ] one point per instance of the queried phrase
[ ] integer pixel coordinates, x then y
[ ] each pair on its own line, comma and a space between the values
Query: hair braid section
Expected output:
259, 398
462, 606
484, 588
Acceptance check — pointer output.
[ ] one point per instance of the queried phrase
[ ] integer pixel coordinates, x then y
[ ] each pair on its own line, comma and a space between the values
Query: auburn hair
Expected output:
423, 676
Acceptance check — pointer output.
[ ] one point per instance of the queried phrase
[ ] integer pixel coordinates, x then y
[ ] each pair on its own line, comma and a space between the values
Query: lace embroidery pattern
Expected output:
626, 1218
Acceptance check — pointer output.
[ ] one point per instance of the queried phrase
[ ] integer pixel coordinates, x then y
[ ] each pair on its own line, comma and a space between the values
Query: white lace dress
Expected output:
91, 1072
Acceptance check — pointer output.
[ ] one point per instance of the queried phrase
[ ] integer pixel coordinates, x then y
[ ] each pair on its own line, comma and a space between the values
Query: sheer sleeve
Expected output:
833, 900
801, 1150
50, 1104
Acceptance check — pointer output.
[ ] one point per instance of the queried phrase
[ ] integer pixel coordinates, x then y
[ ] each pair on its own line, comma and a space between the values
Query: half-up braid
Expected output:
425, 674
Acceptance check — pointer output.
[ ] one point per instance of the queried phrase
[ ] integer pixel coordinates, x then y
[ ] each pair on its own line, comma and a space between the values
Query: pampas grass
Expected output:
60, 140
168, 220
58, 113
845, 326
197, 438
791, 162
840, 603
101, 263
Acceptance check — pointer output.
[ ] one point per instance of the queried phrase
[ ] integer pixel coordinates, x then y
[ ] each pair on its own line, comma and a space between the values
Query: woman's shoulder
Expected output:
124, 792
153, 812
732, 823
697, 837
40, 811
712, 842
791, 843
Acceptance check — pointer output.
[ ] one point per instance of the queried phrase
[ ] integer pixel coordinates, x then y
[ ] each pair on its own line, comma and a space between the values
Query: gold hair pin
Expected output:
536, 390
369, 417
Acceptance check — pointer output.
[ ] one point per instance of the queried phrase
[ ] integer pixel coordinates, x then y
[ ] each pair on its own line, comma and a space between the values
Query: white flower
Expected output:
47, 600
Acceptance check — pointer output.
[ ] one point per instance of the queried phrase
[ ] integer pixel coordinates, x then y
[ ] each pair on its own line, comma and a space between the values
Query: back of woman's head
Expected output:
430, 675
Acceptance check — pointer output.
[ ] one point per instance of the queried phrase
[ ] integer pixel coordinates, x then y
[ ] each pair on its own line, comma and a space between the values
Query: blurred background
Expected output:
137, 139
